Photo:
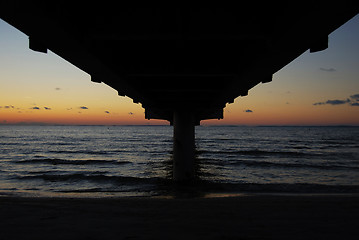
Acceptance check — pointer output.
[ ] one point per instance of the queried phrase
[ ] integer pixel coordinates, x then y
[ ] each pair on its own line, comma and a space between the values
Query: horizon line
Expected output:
205, 125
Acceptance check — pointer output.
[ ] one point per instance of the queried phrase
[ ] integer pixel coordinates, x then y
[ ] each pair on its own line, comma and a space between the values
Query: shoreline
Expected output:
180, 196
171, 195
265, 216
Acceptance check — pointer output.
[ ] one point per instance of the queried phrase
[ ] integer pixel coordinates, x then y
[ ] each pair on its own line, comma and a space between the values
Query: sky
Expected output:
315, 89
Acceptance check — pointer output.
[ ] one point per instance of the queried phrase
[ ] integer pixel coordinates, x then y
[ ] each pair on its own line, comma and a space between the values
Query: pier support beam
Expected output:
183, 146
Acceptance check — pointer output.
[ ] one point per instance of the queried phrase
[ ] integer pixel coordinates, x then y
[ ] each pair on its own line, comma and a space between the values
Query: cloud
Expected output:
355, 97
47, 108
248, 111
107, 112
319, 103
35, 108
83, 107
352, 101
337, 102
328, 69
9, 106
333, 102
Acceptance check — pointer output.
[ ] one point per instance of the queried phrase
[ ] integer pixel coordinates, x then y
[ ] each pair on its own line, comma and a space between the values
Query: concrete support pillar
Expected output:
183, 146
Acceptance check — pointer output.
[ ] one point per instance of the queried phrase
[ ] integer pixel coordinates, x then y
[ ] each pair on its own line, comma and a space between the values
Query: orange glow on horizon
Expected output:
75, 118
234, 114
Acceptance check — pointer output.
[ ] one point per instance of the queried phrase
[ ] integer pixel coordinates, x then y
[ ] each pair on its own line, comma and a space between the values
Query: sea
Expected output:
136, 161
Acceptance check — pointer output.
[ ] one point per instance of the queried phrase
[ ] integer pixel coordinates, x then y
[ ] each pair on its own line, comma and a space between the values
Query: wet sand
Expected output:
244, 217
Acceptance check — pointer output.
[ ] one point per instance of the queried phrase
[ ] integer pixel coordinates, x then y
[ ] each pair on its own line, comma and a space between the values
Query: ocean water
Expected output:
119, 161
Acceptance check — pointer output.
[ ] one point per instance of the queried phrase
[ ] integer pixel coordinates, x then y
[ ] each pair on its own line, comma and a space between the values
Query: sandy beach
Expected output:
243, 217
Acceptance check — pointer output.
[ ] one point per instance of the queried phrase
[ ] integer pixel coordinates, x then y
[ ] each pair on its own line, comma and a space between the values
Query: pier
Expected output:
183, 64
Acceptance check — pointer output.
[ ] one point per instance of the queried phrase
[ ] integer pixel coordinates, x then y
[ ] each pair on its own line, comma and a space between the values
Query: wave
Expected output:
320, 155
201, 188
14, 144
282, 188
96, 190
56, 161
94, 177
163, 186
90, 152
257, 153
337, 142
266, 164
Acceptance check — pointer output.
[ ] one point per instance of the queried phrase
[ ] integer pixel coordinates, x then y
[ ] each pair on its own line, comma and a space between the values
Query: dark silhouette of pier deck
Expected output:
182, 64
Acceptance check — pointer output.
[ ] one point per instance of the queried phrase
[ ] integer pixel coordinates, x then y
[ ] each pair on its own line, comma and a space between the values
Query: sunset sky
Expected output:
315, 89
